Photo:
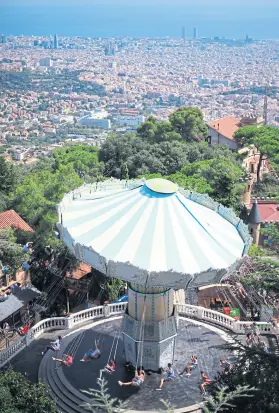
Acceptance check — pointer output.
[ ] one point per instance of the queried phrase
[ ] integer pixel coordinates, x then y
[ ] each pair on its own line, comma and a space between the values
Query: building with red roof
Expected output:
263, 212
221, 131
10, 219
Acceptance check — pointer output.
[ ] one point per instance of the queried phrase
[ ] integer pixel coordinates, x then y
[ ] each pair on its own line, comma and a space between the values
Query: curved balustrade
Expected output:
223, 320
89, 314
7, 354
118, 308
66, 323
55, 323
60, 323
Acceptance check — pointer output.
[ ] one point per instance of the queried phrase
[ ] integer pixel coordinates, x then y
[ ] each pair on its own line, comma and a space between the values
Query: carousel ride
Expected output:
158, 238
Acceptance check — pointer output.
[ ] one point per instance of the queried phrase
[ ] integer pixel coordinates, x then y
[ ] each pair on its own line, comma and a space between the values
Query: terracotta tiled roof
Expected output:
226, 126
10, 219
81, 271
268, 210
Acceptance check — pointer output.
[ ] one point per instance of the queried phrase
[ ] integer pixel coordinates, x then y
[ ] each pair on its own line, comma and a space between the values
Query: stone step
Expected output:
68, 399
61, 391
78, 396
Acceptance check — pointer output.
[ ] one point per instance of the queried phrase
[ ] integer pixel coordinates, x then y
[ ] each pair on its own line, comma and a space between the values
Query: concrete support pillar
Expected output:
150, 327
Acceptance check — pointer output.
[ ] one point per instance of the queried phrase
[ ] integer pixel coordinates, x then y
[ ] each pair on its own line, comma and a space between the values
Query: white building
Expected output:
19, 154
94, 122
130, 120
221, 131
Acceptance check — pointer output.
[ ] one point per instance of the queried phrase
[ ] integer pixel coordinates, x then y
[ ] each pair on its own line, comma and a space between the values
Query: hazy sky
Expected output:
230, 18
213, 3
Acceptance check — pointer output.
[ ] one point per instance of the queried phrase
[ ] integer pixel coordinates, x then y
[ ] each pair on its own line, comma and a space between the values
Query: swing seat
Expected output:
108, 370
95, 357
170, 379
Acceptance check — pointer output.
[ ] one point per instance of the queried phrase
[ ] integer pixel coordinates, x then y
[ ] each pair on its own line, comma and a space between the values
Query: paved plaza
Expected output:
183, 391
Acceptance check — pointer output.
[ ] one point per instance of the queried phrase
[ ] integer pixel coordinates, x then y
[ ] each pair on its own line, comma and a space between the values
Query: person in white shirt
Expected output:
93, 354
54, 346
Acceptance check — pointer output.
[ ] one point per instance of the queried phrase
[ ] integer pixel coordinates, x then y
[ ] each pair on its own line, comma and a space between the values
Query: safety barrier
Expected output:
60, 323
211, 316
66, 323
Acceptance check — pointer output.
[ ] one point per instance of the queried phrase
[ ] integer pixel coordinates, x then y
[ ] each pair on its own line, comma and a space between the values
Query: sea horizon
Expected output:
135, 20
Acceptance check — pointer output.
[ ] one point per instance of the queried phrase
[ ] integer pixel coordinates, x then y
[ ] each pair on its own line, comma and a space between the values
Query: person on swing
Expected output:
170, 376
93, 354
137, 380
67, 360
190, 366
110, 368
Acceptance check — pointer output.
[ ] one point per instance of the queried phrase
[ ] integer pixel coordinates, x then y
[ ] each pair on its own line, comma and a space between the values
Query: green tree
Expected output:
124, 171
11, 254
102, 401
17, 394
224, 399
7, 177
255, 370
266, 140
267, 187
189, 123
194, 183
147, 130
4, 202
82, 159
35, 198
262, 274
224, 176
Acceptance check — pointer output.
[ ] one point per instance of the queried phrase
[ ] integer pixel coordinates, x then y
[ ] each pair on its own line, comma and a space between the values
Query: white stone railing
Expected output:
211, 316
66, 323
60, 323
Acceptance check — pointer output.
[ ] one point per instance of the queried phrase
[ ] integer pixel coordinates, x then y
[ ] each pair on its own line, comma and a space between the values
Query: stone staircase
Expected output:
67, 398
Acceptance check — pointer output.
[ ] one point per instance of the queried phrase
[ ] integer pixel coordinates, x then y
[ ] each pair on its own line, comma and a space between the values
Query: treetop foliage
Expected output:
255, 372
17, 394
266, 140
185, 124
11, 254
7, 177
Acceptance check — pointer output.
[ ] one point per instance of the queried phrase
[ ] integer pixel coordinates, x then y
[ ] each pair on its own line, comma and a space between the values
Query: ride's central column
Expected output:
150, 328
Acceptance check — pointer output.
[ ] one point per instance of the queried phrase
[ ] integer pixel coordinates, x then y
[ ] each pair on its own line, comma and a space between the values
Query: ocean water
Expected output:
114, 18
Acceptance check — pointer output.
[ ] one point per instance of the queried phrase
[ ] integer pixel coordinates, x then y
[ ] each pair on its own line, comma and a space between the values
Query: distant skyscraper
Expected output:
195, 36
56, 42
183, 33
46, 62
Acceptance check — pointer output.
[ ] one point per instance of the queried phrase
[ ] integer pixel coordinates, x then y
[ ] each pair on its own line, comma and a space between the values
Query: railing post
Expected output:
106, 310
200, 313
69, 323
236, 327
28, 338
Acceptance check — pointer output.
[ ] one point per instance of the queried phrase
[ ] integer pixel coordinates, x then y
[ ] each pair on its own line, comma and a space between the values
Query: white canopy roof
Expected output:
154, 229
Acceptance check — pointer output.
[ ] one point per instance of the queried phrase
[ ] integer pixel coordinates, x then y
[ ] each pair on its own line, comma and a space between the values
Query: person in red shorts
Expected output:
110, 368
67, 360
205, 382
